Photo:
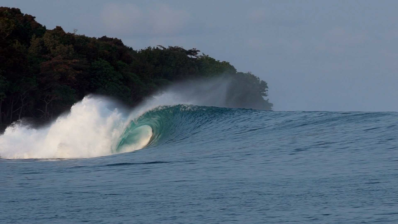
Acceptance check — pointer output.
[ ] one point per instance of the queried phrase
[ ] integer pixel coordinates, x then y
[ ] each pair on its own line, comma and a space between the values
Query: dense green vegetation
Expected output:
43, 72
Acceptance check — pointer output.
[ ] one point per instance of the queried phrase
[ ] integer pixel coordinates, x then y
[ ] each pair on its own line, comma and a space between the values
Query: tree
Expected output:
3, 91
105, 80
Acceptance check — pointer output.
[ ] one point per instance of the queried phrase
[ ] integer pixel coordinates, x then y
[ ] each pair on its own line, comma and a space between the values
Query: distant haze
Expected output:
315, 55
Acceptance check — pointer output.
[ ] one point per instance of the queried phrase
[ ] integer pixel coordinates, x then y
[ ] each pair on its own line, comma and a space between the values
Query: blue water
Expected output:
215, 165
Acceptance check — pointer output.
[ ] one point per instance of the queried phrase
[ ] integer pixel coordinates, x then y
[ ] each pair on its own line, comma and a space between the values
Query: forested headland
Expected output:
44, 72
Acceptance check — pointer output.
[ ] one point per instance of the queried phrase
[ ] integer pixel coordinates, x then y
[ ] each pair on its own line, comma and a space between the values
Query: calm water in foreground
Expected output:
213, 165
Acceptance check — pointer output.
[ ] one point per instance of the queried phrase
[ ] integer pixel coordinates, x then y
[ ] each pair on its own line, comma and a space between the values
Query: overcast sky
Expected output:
339, 55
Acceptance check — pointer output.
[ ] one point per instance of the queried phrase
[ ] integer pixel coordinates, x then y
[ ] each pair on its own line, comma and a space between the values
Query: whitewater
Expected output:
98, 126
180, 159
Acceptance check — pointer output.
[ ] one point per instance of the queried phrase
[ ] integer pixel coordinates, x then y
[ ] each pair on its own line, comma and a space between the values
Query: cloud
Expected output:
165, 20
131, 20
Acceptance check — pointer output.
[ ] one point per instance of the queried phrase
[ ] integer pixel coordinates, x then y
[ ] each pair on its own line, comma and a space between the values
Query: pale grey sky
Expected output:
338, 55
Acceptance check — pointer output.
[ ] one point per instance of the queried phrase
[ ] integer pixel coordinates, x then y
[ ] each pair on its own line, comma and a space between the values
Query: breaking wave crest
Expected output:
91, 129
97, 126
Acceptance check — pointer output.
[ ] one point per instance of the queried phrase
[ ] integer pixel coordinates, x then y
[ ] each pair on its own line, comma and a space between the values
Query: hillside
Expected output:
43, 72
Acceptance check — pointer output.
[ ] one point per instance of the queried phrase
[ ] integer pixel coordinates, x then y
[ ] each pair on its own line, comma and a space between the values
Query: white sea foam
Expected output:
90, 130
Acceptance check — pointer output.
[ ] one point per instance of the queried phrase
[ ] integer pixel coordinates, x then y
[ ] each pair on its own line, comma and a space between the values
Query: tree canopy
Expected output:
43, 72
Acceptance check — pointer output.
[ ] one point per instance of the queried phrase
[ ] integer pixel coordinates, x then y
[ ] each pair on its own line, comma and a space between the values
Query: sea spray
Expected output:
93, 128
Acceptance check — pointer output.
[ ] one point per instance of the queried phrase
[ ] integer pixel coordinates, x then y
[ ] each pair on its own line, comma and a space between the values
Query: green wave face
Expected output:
134, 138
148, 129
166, 124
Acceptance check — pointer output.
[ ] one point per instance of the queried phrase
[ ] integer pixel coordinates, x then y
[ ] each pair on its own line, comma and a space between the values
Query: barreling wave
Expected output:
97, 126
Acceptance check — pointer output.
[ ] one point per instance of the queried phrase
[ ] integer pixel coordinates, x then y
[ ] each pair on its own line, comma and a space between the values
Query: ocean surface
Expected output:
200, 164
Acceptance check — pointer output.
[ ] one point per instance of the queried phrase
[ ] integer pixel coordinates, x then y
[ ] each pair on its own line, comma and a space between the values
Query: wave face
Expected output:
97, 126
